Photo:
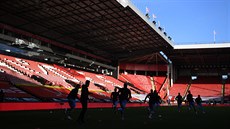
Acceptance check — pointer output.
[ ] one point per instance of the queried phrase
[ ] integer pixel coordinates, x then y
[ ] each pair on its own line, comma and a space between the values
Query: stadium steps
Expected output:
186, 90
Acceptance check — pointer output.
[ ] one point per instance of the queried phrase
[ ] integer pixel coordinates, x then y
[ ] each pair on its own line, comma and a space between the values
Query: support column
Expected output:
116, 72
223, 92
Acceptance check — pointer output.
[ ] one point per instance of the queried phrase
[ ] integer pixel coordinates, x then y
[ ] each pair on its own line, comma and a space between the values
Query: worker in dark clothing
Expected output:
114, 98
124, 97
72, 96
179, 100
84, 101
191, 101
199, 103
153, 101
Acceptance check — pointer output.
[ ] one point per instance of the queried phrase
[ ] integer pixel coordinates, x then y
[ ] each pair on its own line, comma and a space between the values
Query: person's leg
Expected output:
155, 106
151, 111
115, 106
68, 109
193, 106
178, 107
72, 105
83, 111
189, 105
201, 107
123, 105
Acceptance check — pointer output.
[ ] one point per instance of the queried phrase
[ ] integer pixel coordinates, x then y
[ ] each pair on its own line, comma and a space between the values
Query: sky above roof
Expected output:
190, 21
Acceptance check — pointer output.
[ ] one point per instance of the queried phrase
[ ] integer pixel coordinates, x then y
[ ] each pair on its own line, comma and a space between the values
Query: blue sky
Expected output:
191, 21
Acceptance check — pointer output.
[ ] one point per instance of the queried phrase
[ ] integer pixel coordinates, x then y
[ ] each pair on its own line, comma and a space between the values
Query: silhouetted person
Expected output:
199, 103
114, 98
191, 101
72, 96
84, 100
124, 97
179, 100
153, 101
168, 101
158, 99
2, 96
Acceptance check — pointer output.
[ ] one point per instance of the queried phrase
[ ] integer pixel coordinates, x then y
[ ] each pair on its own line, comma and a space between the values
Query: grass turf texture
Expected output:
135, 118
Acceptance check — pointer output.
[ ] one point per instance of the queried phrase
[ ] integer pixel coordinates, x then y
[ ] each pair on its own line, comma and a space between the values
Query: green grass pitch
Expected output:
135, 118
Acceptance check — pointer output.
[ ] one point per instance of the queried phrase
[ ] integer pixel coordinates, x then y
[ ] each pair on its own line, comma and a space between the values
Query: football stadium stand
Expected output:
47, 82
207, 86
49, 50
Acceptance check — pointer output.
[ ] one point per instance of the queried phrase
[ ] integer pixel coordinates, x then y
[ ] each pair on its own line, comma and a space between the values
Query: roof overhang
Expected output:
200, 55
109, 29
202, 46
